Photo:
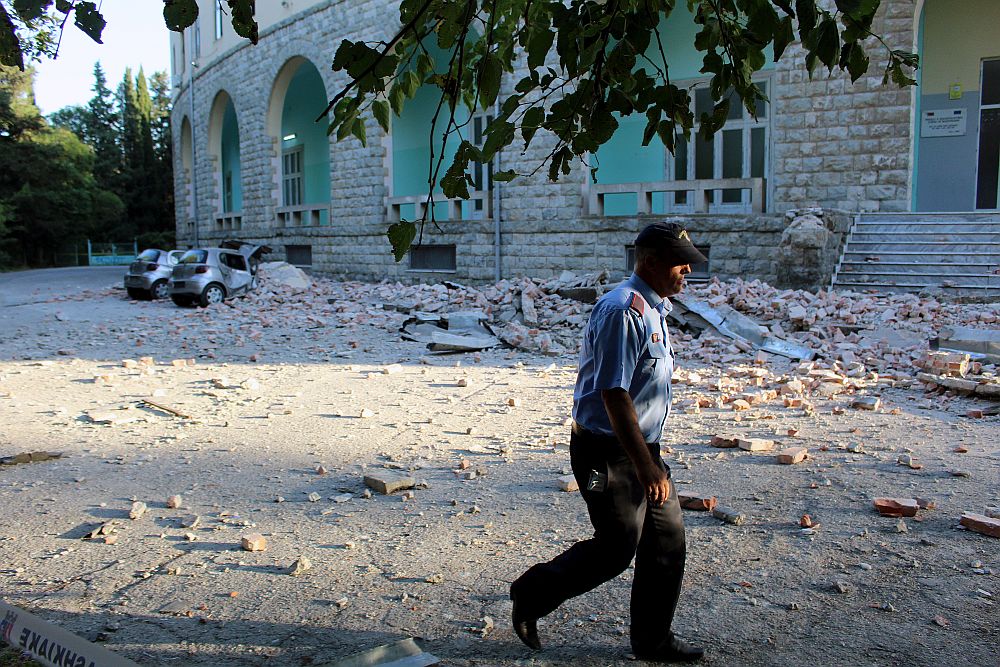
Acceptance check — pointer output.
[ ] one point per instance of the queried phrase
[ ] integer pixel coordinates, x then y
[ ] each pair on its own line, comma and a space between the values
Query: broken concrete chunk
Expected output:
908, 461
981, 523
896, 507
137, 510
29, 457
191, 521
387, 482
755, 444
728, 515
866, 403
253, 542
793, 455
697, 503
568, 483
173, 502
314, 497
300, 566
724, 442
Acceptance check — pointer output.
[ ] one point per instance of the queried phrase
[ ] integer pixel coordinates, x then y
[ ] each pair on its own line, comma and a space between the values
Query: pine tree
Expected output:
102, 133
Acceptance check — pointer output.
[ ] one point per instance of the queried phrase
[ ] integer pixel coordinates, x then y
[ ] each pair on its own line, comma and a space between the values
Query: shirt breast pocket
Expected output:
657, 354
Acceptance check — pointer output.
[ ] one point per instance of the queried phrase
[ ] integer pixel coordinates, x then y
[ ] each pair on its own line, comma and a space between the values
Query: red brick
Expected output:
697, 503
981, 523
793, 455
896, 507
723, 442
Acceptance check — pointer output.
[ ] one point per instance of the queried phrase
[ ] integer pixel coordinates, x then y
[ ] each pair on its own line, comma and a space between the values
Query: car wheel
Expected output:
212, 294
181, 300
160, 289
137, 294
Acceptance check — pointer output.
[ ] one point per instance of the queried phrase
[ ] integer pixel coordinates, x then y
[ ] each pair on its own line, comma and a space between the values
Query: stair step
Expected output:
912, 253
928, 227
938, 217
913, 274
912, 285
926, 248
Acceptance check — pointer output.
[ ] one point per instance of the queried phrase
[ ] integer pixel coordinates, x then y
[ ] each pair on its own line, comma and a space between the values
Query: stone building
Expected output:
880, 165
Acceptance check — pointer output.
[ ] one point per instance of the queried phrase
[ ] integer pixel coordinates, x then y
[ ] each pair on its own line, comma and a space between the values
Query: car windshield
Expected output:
194, 257
148, 255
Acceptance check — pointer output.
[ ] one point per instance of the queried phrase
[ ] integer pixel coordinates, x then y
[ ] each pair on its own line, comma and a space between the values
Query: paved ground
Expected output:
437, 567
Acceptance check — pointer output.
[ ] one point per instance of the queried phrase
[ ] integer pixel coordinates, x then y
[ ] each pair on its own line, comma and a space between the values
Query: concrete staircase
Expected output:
909, 252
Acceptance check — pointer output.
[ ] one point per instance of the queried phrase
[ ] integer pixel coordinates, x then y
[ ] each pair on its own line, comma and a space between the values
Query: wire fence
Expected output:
111, 254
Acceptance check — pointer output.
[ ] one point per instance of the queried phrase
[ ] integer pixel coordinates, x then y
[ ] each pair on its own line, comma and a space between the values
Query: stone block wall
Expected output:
834, 144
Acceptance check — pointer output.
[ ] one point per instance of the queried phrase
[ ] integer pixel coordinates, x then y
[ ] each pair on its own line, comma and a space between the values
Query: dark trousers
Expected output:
625, 526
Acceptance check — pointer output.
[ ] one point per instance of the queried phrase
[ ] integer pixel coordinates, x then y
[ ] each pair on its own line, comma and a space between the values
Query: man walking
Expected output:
621, 401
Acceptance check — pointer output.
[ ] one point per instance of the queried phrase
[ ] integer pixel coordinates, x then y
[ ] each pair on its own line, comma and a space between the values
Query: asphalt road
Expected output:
20, 288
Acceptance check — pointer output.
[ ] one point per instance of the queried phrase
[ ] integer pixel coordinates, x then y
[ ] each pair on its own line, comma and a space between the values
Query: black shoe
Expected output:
673, 650
525, 628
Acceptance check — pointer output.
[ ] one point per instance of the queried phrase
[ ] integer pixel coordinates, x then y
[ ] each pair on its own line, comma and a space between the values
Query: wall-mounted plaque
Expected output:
943, 123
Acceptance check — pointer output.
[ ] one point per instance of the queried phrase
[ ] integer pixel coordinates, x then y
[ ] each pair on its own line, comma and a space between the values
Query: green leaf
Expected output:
243, 19
533, 119
806, 11
401, 235
853, 58
29, 10
827, 42
501, 133
358, 130
180, 14
488, 81
380, 109
396, 98
783, 36
410, 83
539, 46
64, 6
10, 47
89, 20
505, 176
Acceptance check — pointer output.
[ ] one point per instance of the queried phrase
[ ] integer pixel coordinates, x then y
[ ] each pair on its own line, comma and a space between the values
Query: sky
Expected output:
135, 35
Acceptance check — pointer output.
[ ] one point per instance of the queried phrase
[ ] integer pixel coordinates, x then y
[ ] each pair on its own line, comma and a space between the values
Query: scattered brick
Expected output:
755, 444
793, 455
896, 507
697, 503
981, 523
724, 442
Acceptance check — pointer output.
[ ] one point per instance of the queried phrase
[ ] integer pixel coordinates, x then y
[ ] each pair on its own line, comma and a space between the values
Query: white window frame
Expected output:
481, 172
979, 139
293, 182
227, 192
218, 21
746, 124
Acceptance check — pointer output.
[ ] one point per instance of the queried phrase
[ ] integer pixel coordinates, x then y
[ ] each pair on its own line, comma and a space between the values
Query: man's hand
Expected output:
654, 480
621, 412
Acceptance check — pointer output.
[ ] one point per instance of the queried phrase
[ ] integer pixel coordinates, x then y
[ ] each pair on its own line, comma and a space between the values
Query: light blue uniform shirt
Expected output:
626, 345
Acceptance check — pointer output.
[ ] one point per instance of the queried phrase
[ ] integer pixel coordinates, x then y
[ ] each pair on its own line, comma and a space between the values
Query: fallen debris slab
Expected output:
404, 653
253, 542
386, 482
981, 523
29, 457
43, 641
568, 483
755, 444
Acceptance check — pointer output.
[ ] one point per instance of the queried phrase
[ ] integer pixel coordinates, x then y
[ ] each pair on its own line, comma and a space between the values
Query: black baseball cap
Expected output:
671, 241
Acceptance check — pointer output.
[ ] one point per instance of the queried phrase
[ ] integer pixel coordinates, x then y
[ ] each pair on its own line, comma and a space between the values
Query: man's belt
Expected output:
582, 432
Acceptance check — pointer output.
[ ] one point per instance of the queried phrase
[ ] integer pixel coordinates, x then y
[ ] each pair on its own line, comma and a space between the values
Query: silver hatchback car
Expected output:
211, 275
148, 275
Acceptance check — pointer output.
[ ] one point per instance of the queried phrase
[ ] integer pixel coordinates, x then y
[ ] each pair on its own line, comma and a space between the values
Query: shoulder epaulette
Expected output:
638, 304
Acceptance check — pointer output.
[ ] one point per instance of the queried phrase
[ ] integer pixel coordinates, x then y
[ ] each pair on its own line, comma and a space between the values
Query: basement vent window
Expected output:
432, 258
699, 272
299, 255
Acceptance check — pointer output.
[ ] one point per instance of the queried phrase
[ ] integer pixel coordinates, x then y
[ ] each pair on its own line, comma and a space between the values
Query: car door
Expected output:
236, 272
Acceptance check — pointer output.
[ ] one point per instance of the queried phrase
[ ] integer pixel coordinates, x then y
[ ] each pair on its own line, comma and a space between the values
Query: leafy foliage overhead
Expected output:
576, 67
